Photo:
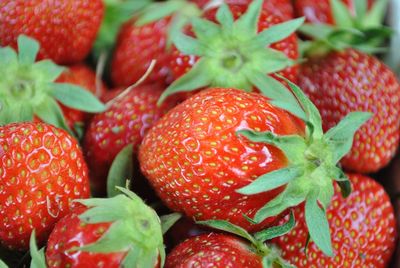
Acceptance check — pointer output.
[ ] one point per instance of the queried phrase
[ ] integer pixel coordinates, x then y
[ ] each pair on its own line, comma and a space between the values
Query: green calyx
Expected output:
232, 53
27, 88
135, 228
362, 30
270, 255
312, 165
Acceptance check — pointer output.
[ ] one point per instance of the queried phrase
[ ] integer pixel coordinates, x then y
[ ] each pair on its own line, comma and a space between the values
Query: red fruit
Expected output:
42, 172
70, 232
213, 250
363, 230
181, 63
81, 75
194, 159
321, 11
348, 81
125, 122
136, 47
125, 226
65, 29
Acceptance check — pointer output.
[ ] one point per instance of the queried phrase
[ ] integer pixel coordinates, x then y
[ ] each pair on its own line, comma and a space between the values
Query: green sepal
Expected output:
341, 13
3, 264
272, 180
28, 49
37, 256
230, 228
340, 137
121, 170
268, 262
167, 221
8, 56
77, 97
49, 69
376, 15
318, 225
231, 51
135, 228
276, 231
361, 7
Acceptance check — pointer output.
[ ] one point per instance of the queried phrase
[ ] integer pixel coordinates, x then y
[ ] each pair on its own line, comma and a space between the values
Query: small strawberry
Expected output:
237, 46
321, 11
150, 32
115, 232
81, 75
350, 80
222, 250
29, 89
203, 151
66, 29
125, 122
363, 230
42, 171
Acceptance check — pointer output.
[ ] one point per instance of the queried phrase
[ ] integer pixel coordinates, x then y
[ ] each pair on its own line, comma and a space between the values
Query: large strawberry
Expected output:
321, 11
66, 29
363, 230
236, 46
150, 32
115, 232
81, 75
42, 171
125, 122
350, 80
195, 159
28, 88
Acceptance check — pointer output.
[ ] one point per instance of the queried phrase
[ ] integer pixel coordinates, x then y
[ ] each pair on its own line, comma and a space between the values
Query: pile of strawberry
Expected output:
251, 126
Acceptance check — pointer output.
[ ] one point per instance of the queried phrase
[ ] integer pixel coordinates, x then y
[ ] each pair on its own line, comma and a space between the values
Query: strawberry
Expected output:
204, 151
280, 8
363, 229
66, 29
125, 122
43, 170
150, 32
30, 89
81, 75
115, 232
237, 45
350, 80
321, 11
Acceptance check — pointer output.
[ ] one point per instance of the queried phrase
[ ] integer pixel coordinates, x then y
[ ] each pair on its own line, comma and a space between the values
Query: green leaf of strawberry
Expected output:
121, 170
38, 258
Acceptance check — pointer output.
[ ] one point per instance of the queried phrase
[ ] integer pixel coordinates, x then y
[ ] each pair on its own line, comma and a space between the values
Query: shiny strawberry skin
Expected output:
70, 232
348, 81
66, 29
136, 47
213, 250
196, 162
180, 63
43, 170
125, 122
320, 11
81, 75
363, 230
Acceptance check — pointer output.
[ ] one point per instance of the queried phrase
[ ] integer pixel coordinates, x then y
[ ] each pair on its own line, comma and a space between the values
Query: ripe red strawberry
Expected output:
81, 75
213, 250
363, 230
321, 11
236, 45
194, 156
65, 29
347, 81
136, 47
42, 172
126, 121
108, 233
